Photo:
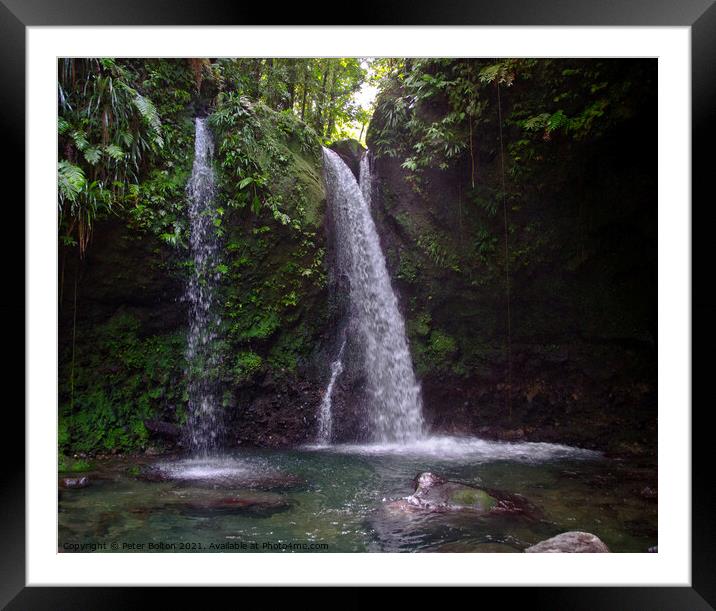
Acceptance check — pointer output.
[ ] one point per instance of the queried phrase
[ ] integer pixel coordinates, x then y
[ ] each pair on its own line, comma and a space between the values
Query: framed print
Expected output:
413, 296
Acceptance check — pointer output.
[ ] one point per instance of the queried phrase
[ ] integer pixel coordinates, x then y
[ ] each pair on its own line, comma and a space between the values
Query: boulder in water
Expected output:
75, 482
255, 504
433, 494
471, 547
571, 542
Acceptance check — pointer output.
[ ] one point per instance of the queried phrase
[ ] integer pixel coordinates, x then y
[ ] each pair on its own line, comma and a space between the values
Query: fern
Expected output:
536, 123
93, 155
114, 152
557, 121
63, 126
70, 181
150, 116
80, 140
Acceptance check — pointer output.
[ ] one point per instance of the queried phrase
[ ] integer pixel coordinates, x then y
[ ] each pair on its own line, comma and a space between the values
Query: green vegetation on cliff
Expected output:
123, 263
274, 277
514, 192
516, 199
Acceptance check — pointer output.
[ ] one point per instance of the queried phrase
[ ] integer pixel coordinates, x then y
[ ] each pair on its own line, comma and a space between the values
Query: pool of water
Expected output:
333, 499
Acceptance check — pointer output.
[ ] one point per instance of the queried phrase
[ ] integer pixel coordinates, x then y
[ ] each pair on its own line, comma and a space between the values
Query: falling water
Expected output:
325, 417
204, 423
394, 409
365, 179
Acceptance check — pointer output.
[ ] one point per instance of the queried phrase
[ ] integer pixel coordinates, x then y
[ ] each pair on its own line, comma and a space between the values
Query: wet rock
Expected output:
75, 482
458, 547
152, 474
165, 430
648, 493
512, 435
570, 542
277, 481
351, 152
259, 505
433, 494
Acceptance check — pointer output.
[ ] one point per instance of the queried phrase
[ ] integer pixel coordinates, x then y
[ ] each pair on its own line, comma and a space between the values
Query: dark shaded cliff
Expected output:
582, 255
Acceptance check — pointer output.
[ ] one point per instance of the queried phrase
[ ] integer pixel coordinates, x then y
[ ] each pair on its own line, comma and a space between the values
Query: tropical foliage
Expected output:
106, 130
481, 190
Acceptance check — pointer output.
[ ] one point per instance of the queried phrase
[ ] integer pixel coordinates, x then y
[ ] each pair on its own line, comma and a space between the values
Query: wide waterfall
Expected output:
204, 422
394, 410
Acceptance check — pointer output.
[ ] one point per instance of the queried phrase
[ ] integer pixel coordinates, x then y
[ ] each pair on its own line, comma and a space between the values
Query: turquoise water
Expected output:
334, 500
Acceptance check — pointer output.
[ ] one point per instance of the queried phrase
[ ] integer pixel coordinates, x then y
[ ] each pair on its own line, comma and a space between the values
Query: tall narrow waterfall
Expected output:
204, 422
325, 417
365, 179
395, 406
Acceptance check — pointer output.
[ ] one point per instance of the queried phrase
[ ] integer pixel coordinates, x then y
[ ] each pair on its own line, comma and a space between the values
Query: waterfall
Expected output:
365, 179
204, 424
394, 409
325, 417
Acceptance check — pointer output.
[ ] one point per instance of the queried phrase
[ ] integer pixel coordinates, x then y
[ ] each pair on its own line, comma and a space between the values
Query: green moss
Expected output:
121, 379
272, 297
246, 365
263, 326
274, 292
442, 345
408, 269
70, 465
435, 352
418, 325
286, 353
473, 497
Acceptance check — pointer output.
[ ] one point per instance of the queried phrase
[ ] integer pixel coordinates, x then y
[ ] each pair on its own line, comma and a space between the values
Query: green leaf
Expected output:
93, 155
80, 140
70, 180
62, 126
114, 152
256, 205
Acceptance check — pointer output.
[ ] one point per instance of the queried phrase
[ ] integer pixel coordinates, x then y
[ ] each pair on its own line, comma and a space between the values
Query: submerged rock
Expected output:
433, 494
75, 482
458, 547
570, 542
259, 505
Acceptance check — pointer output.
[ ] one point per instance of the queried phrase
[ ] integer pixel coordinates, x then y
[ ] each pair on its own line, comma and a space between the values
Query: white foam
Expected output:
472, 448
206, 468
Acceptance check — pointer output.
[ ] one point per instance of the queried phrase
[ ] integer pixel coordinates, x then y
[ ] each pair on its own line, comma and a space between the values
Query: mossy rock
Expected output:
473, 498
72, 465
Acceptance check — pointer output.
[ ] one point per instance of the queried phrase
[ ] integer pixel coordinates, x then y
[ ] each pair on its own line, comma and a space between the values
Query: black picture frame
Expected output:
700, 15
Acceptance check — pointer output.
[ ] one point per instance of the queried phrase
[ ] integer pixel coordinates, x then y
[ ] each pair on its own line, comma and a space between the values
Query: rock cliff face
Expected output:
581, 248
122, 339
582, 290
